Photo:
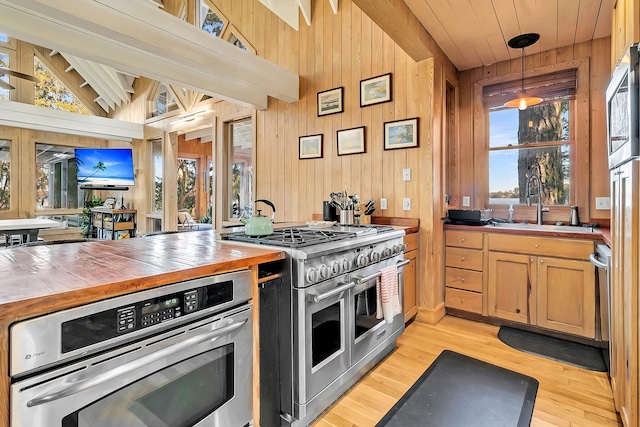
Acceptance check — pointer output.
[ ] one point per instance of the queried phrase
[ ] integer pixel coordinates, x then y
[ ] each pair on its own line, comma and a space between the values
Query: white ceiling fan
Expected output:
7, 72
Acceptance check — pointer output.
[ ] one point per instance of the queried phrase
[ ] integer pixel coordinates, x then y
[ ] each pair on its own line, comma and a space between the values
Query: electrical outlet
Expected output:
466, 201
406, 204
406, 174
603, 203
383, 204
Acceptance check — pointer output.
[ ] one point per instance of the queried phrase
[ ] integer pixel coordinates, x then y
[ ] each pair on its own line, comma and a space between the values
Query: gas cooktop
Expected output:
298, 237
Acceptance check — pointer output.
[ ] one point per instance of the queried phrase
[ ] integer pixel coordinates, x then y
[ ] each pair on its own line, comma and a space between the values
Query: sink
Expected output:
545, 227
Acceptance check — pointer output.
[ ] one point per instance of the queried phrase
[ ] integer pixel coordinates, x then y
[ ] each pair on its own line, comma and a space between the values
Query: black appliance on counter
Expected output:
468, 217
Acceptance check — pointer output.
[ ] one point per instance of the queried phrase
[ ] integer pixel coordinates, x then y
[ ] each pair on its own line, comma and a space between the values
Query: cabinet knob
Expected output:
462, 239
541, 261
462, 279
535, 246
461, 258
531, 259
518, 310
461, 301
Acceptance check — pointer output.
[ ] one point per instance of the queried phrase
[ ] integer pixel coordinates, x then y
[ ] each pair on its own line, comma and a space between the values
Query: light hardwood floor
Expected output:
567, 396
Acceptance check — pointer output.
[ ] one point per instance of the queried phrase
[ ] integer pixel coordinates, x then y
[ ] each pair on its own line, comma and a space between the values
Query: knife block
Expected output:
365, 219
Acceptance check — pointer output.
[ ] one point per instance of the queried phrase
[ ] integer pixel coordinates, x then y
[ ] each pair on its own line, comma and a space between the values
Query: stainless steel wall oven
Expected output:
319, 330
175, 356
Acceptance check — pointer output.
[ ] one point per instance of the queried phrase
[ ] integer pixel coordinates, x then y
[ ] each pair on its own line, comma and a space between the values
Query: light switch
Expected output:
466, 201
406, 174
603, 203
383, 204
406, 204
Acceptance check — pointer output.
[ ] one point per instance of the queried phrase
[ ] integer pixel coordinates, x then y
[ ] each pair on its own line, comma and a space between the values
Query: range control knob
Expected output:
312, 275
361, 261
335, 268
374, 256
387, 252
403, 247
325, 272
344, 265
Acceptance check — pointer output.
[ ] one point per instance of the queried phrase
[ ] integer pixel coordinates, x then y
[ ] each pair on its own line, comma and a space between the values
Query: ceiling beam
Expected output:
133, 36
396, 19
287, 10
334, 5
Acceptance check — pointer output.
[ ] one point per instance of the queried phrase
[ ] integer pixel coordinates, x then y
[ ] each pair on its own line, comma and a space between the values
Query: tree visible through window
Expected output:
51, 93
535, 141
187, 170
4, 63
5, 175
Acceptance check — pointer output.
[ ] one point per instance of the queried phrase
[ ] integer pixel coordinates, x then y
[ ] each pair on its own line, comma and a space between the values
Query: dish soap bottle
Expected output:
510, 213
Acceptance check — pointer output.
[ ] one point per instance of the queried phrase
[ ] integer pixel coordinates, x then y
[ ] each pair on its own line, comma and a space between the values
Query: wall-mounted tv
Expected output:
105, 167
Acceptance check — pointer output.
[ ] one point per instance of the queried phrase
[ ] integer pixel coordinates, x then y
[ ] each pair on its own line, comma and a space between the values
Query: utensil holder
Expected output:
346, 217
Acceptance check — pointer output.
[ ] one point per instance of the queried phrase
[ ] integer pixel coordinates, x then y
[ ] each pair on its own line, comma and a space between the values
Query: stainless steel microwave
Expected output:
623, 116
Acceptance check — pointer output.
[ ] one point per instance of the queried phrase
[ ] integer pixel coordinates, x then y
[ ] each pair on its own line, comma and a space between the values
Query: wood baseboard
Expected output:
431, 316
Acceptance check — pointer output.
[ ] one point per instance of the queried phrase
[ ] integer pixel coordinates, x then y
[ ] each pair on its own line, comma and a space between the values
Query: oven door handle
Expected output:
336, 291
362, 280
76, 387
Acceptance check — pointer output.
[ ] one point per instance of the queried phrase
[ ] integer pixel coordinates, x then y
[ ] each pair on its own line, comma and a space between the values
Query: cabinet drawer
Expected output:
469, 259
463, 300
411, 241
463, 279
547, 246
463, 239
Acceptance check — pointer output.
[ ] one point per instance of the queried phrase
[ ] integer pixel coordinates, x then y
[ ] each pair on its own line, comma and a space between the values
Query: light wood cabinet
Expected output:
510, 293
542, 290
625, 259
625, 27
464, 279
410, 277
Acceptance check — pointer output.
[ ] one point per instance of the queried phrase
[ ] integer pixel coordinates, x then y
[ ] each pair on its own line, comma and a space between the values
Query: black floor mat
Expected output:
571, 353
459, 391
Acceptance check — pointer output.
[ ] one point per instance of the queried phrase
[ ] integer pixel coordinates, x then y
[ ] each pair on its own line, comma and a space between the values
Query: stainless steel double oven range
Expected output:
178, 355
319, 332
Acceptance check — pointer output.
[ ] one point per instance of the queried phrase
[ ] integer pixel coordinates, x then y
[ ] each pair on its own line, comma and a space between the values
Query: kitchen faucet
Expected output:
539, 208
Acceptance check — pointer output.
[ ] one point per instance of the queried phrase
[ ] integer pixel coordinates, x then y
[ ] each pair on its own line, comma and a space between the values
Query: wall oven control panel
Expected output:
103, 325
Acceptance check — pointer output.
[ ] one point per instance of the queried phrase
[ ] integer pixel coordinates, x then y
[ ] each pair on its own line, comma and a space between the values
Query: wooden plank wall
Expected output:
341, 50
590, 128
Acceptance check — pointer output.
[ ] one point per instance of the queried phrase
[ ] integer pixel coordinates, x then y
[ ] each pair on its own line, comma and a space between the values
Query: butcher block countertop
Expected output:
42, 279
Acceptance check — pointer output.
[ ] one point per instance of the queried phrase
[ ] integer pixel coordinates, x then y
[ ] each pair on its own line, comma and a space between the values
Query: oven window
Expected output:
365, 304
179, 395
326, 333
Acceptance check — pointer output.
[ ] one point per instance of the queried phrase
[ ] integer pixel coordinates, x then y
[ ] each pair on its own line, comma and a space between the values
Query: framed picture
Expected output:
401, 134
233, 36
351, 141
375, 90
310, 147
330, 101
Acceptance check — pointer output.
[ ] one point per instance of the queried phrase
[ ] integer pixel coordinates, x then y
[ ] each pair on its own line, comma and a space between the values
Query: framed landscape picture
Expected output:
401, 134
351, 141
330, 101
375, 90
310, 147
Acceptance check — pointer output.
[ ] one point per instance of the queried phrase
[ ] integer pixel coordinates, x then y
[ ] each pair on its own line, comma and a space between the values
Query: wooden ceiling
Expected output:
473, 33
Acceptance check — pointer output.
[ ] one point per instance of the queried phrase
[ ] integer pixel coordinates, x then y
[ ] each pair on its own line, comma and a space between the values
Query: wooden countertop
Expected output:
42, 279
534, 230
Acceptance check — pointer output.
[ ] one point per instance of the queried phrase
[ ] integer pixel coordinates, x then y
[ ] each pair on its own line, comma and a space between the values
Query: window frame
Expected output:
12, 60
579, 152
571, 142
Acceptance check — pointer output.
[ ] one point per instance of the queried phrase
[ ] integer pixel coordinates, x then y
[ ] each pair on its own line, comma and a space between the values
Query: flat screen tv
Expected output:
104, 167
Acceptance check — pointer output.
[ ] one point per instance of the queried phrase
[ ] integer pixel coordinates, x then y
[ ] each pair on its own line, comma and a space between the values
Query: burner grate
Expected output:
292, 237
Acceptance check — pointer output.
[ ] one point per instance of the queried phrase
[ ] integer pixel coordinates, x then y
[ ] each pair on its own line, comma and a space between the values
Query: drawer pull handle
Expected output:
461, 300
462, 279
461, 258
462, 240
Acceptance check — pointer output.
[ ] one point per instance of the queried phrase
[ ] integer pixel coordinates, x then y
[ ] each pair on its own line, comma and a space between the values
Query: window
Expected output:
4, 63
56, 178
51, 93
5, 175
241, 167
535, 141
163, 101
538, 141
211, 19
157, 173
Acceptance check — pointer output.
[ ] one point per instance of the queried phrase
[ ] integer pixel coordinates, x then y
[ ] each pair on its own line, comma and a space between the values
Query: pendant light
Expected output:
523, 101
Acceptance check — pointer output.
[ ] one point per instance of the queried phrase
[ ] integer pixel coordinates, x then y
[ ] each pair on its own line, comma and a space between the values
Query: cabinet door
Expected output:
410, 288
510, 287
567, 296
625, 253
